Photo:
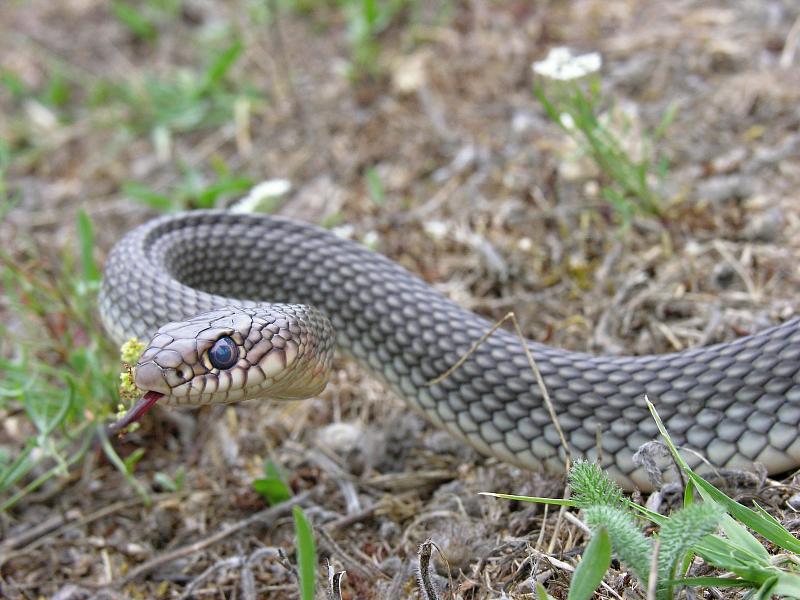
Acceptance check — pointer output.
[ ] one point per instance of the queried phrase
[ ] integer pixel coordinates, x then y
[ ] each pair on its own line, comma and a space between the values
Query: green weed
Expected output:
171, 483
142, 19
56, 91
138, 22
628, 161
689, 532
186, 100
194, 191
377, 193
274, 489
306, 554
365, 22
56, 365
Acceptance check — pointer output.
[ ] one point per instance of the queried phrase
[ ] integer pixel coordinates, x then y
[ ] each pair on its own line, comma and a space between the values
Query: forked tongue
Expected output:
144, 404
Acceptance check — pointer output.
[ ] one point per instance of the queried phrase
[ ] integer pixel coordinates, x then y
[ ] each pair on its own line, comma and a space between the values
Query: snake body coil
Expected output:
736, 403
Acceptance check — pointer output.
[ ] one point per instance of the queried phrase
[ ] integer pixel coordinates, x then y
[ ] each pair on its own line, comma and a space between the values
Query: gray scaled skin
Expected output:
736, 403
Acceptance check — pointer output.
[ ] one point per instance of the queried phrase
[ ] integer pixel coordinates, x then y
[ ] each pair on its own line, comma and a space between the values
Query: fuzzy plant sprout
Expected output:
606, 509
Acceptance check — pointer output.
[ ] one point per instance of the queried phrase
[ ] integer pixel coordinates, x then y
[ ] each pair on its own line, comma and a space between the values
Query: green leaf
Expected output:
306, 554
774, 532
148, 196
132, 459
57, 93
787, 584
138, 24
594, 564
13, 83
375, 186
541, 593
221, 65
172, 484
91, 272
208, 197
272, 488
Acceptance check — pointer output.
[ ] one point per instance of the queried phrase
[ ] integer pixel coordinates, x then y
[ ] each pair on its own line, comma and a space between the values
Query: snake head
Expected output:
279, 351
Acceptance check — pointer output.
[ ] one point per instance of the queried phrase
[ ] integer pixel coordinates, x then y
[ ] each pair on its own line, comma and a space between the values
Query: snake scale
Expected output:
210, 275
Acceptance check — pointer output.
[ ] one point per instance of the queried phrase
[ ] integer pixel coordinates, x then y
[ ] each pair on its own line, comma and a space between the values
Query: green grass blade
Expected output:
541, 593
556, 501
208, 197
724, 582
666, 121
115, 459
742, 538
594, 564
91, 271
724, 554
221, 65
770, 529
138, 24
306, 554
375, 186
647, 513
52, 472
145, 195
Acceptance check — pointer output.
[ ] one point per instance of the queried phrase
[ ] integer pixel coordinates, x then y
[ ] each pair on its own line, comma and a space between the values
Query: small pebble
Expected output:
341, 438
724, 188
765, 226
389, 529
392, 565
723, 275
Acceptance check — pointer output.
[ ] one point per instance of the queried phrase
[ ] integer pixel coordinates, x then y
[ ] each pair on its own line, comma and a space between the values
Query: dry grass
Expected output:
480, 197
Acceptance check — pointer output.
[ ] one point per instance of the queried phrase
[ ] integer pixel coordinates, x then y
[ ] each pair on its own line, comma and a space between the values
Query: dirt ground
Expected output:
481, 194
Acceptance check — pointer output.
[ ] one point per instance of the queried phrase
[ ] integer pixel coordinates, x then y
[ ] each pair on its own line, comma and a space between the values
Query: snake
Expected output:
240, 306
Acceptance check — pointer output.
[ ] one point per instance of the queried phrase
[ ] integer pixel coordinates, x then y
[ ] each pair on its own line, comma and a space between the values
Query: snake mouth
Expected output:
144, 404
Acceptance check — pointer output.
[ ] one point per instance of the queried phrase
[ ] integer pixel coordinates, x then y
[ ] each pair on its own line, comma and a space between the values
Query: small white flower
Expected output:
561, 64
567, 122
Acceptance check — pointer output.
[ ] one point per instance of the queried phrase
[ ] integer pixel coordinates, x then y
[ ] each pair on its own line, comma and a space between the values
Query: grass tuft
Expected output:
56, 364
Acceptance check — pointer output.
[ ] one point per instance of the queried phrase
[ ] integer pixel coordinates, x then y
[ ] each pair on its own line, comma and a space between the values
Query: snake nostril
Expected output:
149, 376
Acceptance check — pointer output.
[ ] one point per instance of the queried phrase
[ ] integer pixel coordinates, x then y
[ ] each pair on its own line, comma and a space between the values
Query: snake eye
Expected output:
224, 353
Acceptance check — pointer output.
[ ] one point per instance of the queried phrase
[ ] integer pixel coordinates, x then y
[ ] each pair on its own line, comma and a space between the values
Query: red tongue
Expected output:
144, 404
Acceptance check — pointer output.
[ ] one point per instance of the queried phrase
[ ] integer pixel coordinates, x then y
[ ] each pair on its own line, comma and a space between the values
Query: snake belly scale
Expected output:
735, 403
